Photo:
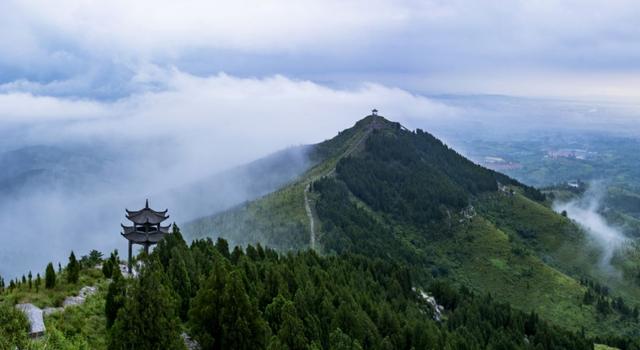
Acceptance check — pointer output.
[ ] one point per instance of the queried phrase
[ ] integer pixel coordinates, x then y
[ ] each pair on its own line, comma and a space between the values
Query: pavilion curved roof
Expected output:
142, 238
147, 215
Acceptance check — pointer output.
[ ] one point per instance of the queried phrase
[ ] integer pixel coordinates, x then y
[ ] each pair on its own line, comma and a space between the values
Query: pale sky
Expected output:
97, 49
101, 66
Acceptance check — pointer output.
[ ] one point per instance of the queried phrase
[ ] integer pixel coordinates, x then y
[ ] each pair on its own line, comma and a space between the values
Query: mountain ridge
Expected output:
381, 190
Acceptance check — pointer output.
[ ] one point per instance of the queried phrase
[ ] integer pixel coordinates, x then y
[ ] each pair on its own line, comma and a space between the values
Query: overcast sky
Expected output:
266, 70
98, 49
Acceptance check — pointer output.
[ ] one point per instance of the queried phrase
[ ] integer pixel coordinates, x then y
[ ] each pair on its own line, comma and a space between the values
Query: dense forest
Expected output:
415, 177
255, 298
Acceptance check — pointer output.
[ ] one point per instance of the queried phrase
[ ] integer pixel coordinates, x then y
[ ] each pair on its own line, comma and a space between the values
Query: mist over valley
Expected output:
319, 175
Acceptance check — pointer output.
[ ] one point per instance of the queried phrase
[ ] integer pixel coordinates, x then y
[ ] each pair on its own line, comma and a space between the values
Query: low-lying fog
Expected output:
585, 211
78, 202
70, 166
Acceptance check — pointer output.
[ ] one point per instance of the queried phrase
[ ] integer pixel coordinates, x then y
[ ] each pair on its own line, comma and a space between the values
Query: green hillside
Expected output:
380, 190
258, 299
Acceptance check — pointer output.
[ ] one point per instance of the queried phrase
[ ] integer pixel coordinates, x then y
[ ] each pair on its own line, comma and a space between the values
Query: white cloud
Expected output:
152, 141
24, 107
483, 41
214, 121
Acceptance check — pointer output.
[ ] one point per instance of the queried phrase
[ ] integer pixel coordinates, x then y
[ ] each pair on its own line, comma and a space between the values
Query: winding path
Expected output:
307, 202
307, 208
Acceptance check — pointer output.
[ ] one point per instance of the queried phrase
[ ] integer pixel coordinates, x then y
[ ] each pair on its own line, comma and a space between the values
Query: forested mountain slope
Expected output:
380, 190
258, 299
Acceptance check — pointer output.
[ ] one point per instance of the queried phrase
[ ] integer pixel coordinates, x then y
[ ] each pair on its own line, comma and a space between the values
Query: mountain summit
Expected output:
380, 190
384, 166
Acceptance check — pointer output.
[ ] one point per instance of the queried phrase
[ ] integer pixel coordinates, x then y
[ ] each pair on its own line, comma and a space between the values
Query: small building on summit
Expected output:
146, 230
374, 112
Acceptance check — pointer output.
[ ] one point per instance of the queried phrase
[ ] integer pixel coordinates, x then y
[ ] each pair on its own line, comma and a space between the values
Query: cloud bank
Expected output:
96, 157
195, 118
544, 48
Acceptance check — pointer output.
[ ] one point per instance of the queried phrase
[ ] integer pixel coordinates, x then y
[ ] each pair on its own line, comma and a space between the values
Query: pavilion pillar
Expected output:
129, 260
146, 249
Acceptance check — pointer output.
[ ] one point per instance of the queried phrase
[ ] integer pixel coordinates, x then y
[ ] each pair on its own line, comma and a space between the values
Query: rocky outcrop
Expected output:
433, 304
35, 316
190, 343
80, 298
74, 300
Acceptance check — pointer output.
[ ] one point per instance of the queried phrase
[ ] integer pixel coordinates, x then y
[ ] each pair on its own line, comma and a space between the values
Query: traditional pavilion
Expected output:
374, 112
147, 228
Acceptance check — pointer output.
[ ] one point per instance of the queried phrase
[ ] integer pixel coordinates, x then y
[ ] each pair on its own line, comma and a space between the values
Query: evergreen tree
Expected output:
292, 330
50, 277
206, 309
148, 320
111, 264
223, 247
73, 269
38, 282
94, 258
107, 268
242, 326
180, 281
30, 278
340, 341
115, 299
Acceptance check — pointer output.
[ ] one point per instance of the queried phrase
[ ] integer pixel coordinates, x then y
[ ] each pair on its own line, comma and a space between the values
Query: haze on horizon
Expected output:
155, 95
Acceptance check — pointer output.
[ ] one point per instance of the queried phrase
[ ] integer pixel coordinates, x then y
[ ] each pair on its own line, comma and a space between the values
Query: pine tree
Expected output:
107, 268
30, 278
223, 247
242, 326
292, 329
149, 318
38, 282
180, 281
340, 341
115, 299
73, 269
50, 277
206, 308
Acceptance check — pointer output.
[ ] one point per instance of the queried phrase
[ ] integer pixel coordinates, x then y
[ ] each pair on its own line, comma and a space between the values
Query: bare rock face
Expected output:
431, 301
190, 343
81, 298
52, 310
35, 316
437, 309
